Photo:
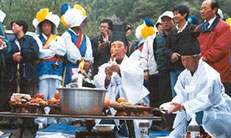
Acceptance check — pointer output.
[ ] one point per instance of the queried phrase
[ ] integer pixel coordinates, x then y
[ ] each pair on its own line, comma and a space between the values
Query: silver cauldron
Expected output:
82, 101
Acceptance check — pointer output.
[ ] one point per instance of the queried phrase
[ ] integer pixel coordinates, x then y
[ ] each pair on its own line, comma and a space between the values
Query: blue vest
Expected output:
46, 67
82, 49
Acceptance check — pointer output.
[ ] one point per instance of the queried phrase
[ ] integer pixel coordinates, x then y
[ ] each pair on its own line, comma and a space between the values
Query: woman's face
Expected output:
16, 28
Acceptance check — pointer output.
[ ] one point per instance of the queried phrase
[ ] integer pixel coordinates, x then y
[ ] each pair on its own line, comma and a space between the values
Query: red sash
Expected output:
79, 40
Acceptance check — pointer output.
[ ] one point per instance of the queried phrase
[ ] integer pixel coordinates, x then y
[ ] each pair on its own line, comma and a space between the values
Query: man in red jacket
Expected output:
215, 40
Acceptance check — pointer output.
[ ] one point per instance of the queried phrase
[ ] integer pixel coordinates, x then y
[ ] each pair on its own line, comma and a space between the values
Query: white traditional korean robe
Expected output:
129, 85
203, 92
73, 53
48, 82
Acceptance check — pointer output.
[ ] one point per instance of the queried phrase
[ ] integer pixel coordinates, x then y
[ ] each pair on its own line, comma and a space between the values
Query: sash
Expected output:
49, 39
45, 44
79, 41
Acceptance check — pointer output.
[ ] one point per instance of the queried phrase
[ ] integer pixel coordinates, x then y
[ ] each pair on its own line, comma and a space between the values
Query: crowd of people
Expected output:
177, 59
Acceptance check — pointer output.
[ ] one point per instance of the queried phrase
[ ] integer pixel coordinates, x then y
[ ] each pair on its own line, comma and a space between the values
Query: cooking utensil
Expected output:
82, 101
104, 127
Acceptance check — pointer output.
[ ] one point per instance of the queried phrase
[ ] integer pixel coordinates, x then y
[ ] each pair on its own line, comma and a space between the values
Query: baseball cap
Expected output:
168, 14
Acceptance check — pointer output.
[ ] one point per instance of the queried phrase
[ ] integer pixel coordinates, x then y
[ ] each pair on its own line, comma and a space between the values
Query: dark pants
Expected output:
3, 93
153, 84
165, 93
227, 88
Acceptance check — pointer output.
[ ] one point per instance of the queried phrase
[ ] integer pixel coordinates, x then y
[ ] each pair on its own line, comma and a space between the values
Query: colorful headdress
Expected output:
2, 16
72, 17
144, 30
43, 15
63, 10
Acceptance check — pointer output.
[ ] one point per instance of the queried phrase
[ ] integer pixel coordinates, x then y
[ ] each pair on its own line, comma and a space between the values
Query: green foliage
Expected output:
119, 11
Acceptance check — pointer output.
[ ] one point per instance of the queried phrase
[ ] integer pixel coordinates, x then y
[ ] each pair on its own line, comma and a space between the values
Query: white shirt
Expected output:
178, 30
147, 58
211, 21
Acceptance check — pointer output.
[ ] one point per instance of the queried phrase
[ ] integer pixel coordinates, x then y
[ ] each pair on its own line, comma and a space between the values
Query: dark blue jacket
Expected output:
29, 52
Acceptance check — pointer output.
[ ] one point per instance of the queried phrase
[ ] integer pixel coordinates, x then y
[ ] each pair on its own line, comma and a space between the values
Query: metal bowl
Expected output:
104, 127
82, 101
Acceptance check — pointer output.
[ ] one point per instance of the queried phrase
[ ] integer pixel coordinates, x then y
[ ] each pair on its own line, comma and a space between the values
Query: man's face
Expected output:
46, 28
206, 11
190, 63
16, 29
104, 28
160, 29
178, 17
167, 23
118, 50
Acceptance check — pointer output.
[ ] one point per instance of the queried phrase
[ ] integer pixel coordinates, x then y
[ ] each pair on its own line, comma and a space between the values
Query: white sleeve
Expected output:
72, 52
144, 55
58, 46
99, 78
89, 55
179, 89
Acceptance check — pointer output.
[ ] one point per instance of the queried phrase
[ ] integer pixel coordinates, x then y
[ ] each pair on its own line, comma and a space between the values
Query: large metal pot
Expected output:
82, 101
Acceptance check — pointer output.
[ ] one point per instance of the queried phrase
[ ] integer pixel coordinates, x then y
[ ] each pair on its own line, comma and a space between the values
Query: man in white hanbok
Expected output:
122, 77
201, 93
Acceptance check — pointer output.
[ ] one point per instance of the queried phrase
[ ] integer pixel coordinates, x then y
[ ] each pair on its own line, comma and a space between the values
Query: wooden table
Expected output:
128, 119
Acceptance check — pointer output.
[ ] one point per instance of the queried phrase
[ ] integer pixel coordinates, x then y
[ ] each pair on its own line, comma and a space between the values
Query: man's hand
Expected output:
17, 57
105, 41
105, 38
174, 57
2, 42
115, 68
108, 73
176, 107
146, 75
110, 69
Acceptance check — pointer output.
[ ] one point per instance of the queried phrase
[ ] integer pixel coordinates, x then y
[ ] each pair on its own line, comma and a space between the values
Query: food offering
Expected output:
37, 104
124, 108
54, 103
20, 102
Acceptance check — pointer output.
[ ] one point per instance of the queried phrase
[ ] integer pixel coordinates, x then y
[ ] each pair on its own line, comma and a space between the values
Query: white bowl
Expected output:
104, 127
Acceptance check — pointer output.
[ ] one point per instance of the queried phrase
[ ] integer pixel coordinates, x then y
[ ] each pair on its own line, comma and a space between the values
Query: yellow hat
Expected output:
44, 14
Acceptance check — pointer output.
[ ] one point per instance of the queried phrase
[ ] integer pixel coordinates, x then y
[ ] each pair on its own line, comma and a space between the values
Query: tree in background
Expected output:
118, 10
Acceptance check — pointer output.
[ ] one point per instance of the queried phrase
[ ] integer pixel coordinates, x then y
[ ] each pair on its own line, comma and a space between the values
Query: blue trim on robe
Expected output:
45, 67
82, 49
43, 40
